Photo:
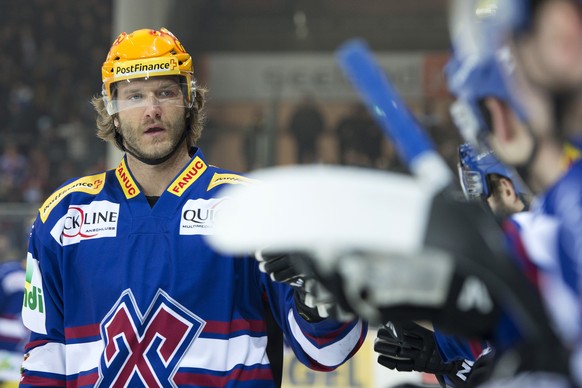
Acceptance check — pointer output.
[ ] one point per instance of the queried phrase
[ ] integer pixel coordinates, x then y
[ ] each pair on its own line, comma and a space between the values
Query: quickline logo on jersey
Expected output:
198, 216
97, 219
33, 306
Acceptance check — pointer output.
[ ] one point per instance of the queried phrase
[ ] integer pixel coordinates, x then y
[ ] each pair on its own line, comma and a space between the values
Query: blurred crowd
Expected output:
47, 76
49, 72
358, 139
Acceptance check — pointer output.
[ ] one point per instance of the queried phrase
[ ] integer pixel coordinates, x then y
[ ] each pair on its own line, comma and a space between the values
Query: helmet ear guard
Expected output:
108, 102
192, 93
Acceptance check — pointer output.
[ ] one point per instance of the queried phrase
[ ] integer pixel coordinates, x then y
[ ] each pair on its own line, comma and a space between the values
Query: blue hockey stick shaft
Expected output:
389, 110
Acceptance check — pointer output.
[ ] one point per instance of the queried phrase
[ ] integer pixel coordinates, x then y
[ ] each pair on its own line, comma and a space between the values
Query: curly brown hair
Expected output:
106, 127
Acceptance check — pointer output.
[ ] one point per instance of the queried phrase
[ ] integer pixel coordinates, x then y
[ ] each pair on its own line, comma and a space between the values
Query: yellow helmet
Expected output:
146, 53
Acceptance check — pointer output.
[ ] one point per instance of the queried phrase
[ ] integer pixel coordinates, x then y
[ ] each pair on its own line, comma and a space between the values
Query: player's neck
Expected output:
546, 167
154, 179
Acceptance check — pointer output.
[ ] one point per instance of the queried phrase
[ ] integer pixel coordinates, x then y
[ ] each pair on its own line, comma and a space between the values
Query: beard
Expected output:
151, 147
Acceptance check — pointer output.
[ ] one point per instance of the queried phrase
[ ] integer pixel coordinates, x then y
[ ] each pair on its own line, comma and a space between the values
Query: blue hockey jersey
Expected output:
552, 238
120, 293
545, 243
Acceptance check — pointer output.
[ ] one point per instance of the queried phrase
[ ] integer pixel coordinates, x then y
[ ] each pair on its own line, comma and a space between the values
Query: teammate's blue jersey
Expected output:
13, 334
454, 348
545, 242
120, 293
551, 233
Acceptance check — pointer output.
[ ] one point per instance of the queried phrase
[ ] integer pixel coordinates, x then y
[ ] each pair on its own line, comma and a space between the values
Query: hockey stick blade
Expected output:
326, 208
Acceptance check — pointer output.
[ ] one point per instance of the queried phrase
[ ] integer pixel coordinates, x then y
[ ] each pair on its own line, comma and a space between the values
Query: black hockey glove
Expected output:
313, 301
407, 346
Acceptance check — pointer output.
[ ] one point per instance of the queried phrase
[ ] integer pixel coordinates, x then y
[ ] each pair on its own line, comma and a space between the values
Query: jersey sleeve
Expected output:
44, 361
321, 346
538, 242
456, 348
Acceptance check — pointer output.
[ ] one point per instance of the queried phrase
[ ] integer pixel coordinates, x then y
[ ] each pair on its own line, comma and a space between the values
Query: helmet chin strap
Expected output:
523, 168
559, 102
150, 161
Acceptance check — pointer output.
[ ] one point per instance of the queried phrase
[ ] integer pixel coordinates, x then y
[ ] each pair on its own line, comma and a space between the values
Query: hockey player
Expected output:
408, 346
13, 334
547, 39
122, 288
483, 177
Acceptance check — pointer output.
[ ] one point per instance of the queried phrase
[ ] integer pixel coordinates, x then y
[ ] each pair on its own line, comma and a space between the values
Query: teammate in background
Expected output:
483, 177
408, 346
530, 131
122, 288
546, 46
546, 37
13, 334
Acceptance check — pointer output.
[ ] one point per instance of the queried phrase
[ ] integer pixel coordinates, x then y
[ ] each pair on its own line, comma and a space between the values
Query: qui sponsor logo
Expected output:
198, 215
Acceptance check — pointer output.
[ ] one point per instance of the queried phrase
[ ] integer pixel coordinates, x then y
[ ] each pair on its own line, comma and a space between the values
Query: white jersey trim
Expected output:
331, 355
46, 358
224, 355
217, 355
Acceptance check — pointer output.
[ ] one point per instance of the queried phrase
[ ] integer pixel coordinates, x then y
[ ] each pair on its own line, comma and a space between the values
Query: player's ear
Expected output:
500, 119
507, 189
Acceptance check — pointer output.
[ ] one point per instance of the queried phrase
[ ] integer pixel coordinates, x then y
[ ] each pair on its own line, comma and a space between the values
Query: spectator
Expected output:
13, 165
41, 34
254, 138
306, 126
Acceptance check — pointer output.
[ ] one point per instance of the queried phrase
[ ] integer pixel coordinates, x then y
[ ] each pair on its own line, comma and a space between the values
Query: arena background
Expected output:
258, 58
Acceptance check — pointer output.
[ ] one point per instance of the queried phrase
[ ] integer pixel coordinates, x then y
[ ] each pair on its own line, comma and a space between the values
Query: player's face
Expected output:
505, 201
551, 52
152, 117
548, 65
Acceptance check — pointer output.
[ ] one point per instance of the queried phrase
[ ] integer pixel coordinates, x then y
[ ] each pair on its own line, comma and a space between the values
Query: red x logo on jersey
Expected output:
145, 350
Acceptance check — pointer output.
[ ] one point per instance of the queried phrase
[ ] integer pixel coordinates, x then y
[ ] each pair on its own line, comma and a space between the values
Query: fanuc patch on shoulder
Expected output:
90, 184
231, 179
194, 170
128, 185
